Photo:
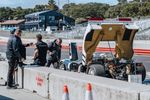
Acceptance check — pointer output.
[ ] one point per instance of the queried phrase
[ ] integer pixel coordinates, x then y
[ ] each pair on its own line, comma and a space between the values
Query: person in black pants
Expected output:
14, 55
40, 52
54, 53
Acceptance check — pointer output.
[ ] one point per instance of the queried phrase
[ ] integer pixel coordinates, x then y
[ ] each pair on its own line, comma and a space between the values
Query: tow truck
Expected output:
117, 65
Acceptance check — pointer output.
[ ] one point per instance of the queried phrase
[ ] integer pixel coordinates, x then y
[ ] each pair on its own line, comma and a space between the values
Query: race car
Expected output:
121, 64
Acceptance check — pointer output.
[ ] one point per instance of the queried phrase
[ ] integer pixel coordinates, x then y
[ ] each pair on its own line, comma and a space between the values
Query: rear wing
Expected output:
122, 32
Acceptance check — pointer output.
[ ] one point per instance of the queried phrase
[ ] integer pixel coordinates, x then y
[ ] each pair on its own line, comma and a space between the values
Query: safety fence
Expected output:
78, 31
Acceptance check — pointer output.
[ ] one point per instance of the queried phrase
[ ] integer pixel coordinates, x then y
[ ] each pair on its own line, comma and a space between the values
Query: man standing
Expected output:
40, 52
54, 53
14, 54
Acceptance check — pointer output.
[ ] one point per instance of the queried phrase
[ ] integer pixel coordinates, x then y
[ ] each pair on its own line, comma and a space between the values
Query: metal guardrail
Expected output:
75, 33
78, 31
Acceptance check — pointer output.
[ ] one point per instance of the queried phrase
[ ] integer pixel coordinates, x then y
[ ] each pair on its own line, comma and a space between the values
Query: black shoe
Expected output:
11, 87
15, 85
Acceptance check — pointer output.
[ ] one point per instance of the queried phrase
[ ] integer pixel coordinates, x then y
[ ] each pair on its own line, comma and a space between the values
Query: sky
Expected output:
32, 3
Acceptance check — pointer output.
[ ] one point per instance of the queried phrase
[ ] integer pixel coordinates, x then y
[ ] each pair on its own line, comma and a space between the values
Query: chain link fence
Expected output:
144, 29
76, 33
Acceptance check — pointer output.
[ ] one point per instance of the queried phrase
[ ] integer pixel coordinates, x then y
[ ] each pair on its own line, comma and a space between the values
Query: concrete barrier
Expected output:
145, 96
36, 80
3, 70
20, 76
49, 83
103, 88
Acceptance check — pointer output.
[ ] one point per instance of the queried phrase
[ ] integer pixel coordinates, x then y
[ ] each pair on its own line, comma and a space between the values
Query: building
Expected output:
11, 24
48, 19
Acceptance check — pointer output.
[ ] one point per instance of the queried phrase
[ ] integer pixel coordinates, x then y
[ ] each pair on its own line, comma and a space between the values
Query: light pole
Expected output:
58, 4
68, 1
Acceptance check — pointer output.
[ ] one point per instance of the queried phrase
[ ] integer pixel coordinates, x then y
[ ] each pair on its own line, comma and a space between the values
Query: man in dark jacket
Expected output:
14, 55
40, 52
54, 53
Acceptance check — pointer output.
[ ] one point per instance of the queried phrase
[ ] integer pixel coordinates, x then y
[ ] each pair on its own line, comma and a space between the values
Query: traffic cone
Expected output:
66, 93
88, 95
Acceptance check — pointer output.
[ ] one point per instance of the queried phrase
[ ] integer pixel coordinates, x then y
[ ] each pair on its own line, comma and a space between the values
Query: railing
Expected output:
75, 33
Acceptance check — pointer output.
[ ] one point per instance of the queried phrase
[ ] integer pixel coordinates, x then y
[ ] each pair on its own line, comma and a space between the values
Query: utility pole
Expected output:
58, 4
68, 1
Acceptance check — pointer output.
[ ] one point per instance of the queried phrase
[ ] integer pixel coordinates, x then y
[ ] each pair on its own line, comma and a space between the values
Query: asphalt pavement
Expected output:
17, 94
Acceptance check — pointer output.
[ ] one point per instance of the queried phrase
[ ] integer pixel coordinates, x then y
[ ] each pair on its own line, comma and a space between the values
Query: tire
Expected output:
73, 67
62, 66
96, 69
141, 70
81, 69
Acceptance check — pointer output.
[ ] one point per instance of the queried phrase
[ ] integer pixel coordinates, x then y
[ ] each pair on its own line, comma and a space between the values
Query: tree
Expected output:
18, 13
78, 11
134, 9
6, 13
85, 10
51, 2
52, 5
40, 7
141, 0
122, 1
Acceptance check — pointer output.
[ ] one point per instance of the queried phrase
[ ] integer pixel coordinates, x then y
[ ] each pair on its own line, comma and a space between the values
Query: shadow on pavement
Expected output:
5, 98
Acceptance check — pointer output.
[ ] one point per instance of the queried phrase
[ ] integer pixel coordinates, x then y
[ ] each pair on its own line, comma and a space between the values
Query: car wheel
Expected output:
141, 70
62, 66
96, 69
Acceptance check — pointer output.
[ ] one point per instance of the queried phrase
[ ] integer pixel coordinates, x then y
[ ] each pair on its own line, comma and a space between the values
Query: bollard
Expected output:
66, 93
88, 94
